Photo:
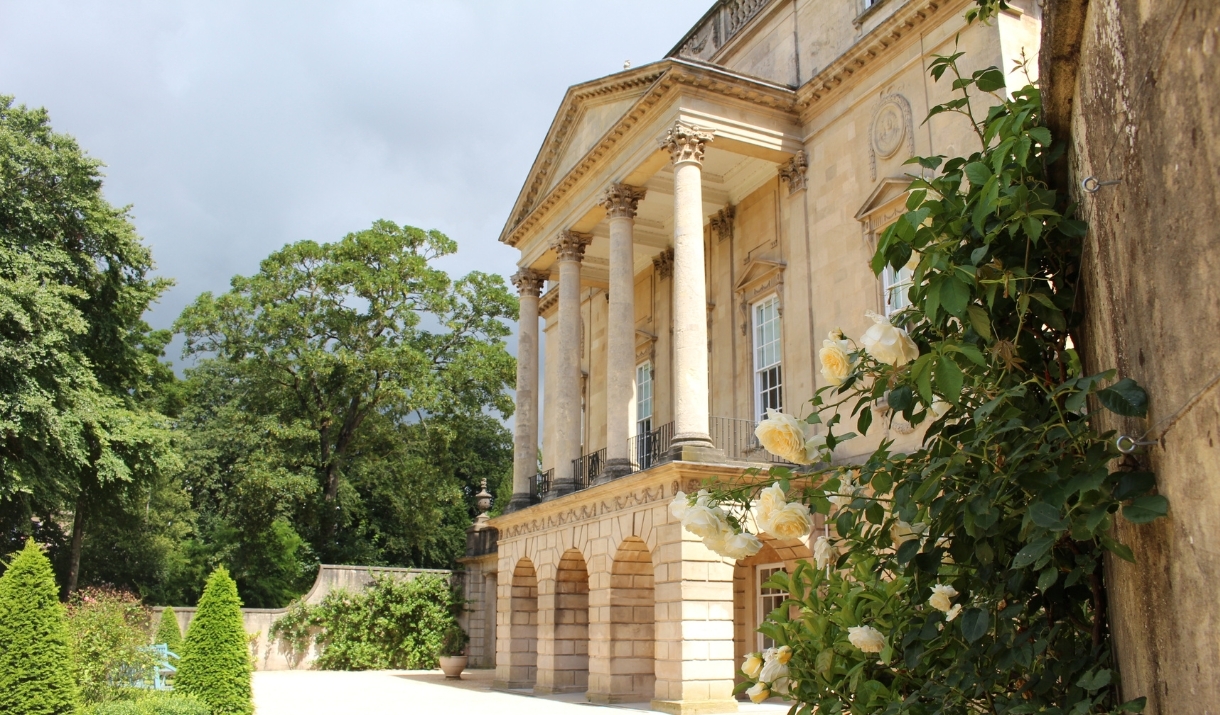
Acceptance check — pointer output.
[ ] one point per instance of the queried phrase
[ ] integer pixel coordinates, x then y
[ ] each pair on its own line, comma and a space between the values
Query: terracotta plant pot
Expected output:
453, 665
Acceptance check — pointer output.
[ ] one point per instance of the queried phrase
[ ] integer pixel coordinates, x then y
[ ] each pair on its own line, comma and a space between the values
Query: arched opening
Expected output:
628, 672
522, 651
751, 600
565, 669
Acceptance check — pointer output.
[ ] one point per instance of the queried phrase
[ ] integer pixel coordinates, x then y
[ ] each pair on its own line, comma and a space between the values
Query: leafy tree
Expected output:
35, 668
168, 631
77, 358
109, 638
333, 347
216, 665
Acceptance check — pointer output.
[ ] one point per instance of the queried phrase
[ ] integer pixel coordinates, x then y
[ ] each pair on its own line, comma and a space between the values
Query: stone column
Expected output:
662, 386
620, 203
691, 441
570, 246
525, 437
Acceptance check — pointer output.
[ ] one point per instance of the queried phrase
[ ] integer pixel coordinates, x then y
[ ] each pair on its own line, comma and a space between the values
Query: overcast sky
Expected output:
235, 128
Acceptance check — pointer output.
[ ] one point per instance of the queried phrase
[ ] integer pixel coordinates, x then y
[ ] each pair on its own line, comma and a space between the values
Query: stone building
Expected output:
690, 232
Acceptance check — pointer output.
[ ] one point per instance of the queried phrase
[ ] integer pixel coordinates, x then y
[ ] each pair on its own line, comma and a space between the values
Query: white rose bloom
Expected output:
942, 597
773, 671
888, 343
866, 638
678, 507
770, 500
702, 520
740, 546
758, 692
791, 522
835, 357
813, 446
783, 654
782, 435
753, 665
953, 612
823, 552
845, 493
781, 686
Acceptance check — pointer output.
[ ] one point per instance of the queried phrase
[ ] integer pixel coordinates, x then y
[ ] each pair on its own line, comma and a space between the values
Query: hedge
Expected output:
168, 632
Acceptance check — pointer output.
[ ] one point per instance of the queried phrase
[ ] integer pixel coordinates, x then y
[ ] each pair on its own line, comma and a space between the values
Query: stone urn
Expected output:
453, 665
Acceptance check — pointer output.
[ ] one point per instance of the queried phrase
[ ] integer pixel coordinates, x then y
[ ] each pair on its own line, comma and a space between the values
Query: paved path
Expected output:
319, 692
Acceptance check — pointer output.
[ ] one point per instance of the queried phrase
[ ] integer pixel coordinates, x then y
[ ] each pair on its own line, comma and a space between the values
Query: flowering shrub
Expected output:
109, 631
967, 576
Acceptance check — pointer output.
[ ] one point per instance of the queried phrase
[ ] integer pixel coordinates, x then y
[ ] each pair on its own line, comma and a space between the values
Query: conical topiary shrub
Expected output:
168, 631
216, 666
35, 670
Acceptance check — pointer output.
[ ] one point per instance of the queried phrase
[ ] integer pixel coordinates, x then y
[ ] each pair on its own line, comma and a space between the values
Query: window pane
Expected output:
768, 354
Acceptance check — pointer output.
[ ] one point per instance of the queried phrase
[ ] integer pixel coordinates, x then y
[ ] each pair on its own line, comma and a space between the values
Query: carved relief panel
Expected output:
890, 130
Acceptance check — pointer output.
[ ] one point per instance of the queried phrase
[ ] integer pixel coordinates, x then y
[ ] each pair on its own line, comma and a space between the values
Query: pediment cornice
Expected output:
664, 79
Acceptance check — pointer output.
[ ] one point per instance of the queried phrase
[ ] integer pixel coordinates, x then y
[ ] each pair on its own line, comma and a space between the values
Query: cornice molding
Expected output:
668, 77
878, 46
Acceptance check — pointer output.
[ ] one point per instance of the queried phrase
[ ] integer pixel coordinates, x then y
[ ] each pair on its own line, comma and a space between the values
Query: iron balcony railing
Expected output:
651, 449
588, 468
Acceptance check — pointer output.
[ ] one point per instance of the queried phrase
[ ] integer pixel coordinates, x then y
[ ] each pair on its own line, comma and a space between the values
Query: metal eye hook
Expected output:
1091, 184
1127, 444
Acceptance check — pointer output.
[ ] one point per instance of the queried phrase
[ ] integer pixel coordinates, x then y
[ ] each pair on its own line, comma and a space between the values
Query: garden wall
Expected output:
275, 656
1134, 82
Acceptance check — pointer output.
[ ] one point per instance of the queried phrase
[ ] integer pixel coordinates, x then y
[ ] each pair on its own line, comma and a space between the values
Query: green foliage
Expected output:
35, 672
392, 624
152, 703
168, 631
1009, 505
216, 665
77, 361
331, 387
109, 635
454, 641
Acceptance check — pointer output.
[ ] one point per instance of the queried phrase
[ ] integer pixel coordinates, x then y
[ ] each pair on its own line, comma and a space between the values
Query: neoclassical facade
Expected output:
690, 232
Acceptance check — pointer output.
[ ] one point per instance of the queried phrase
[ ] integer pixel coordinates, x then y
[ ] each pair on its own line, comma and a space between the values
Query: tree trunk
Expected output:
78, 540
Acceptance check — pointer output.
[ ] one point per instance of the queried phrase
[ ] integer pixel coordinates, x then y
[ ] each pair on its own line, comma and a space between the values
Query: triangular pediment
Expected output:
758, 269
587, 112
889, 189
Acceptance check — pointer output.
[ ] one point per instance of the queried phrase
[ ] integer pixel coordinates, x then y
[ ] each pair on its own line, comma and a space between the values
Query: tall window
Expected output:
897, 283
643, 415
769, 599
767, 351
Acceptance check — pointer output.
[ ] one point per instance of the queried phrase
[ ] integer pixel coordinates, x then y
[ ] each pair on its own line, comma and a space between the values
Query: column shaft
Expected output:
620, 202
571, 248
525, 436
685, 144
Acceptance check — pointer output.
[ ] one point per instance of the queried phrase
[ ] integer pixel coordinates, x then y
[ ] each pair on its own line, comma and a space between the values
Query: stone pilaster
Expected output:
620, 202
570, 248
691, 442
525, 436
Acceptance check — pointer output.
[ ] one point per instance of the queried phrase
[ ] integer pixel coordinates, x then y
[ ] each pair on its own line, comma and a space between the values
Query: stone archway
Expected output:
563, 652
622, 667
517, 664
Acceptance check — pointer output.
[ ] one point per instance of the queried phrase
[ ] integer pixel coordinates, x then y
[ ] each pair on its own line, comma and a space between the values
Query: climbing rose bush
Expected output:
966, 576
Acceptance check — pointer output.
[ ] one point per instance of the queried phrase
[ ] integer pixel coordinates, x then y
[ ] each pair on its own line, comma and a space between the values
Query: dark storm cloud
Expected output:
234, 128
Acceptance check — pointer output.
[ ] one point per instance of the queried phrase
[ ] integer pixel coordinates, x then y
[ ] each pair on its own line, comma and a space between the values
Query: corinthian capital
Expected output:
621, 200
528, 282
685, 142
793, 172
571, 245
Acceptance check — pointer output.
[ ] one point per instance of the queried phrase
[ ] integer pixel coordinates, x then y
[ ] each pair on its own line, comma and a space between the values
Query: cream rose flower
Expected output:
888, 343
902, 532
678, 507
752, 665
740, 546
772, 671
836, 358
782, 435
781, 686
953, 612
758, 692
942, 597
866, 638
703, 521
823, 552
845, 493
813, 446
783, 654
769, 501
791, 522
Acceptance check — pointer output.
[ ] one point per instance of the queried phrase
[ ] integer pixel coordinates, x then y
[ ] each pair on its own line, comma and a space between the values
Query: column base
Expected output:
558, 689
512, 685
694, 448
694, 707
559, 489
614, 469
519, 502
